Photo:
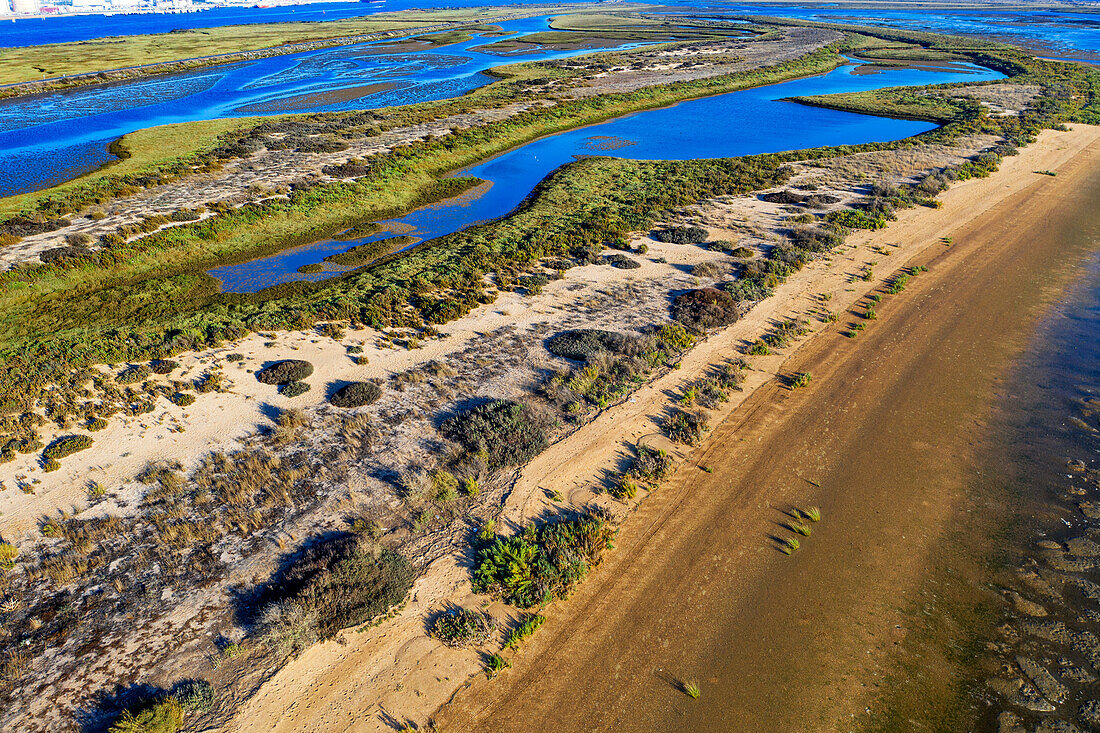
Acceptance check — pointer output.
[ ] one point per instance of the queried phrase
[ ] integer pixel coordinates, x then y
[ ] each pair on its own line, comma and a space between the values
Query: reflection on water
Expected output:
739, 123
51, 137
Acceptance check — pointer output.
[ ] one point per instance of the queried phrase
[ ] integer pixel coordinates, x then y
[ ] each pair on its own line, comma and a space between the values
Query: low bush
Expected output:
356, 394
544, 561
66, 446
686, 427
622, 262
524, 630
311, 268
505, 432
705, 308
711, 270
344, 580
284, 372
583, 343
134, 374
294, 389
162, 716
463, 627
164, 366
680, 235
183, 399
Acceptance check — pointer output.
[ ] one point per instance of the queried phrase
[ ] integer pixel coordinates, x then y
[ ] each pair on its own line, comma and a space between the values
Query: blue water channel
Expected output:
50, 138
747, 122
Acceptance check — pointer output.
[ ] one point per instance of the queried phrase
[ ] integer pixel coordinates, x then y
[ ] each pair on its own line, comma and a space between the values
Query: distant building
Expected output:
24, 7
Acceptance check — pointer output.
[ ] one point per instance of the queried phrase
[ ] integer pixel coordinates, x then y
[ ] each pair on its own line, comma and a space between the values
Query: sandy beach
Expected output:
694, 575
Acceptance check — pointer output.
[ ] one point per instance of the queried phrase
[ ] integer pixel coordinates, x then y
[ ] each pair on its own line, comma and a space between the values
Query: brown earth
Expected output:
696, 589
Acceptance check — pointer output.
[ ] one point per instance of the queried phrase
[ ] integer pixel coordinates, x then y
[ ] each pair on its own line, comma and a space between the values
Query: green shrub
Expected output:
284, 372
801, 379
463, 627
495, 665
705, 308
686, 427
680, 235
544, 561
67, 445
96, 424
311, 268
506, 432
195, 695
342, 581
51, 465
294, 389
622, 262
134, 374
356, 394
163, 716
183, 399
524, 629
582, 343
164, 366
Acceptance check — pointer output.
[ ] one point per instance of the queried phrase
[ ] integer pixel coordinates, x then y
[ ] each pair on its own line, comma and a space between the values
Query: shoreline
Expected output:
331, 677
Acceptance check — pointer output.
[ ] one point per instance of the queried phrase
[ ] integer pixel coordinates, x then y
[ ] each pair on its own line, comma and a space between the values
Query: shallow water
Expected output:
1049, 428
739, 123
50, 138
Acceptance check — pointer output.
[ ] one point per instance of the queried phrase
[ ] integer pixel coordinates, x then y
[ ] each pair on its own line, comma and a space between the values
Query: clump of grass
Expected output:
8, 553
801, 379
526, 628
789, 545
495, 665
759, 348
691, 689
799, 528
813, 513
870, 314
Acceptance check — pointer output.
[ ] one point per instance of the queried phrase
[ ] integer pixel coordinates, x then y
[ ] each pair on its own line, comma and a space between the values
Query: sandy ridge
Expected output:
394, 673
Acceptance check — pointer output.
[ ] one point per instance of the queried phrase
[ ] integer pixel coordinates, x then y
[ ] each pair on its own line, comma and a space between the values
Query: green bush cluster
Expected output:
356, 394
544, 561
285, 372
507, 433
705, 308
66, 446
582, 343
341, 581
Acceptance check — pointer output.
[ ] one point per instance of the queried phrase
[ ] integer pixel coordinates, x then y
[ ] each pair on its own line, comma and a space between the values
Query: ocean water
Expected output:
747, 122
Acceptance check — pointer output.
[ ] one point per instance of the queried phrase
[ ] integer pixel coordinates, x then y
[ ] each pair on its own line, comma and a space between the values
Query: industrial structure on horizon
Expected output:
13, 8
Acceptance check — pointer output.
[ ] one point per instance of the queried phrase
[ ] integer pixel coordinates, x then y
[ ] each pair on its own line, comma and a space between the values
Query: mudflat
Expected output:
696, 589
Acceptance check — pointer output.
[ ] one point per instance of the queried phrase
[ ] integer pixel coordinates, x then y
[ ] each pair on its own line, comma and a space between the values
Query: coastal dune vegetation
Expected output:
141, 299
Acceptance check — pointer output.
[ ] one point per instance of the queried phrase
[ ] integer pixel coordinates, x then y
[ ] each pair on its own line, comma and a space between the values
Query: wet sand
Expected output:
882, 440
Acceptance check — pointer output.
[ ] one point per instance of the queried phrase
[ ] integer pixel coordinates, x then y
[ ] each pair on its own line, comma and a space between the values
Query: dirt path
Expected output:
699, 548
695, 589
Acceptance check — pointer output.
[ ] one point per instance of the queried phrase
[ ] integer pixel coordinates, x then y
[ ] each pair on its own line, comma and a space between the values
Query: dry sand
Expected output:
394, 673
